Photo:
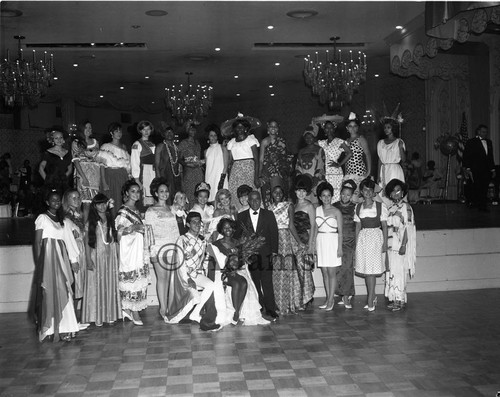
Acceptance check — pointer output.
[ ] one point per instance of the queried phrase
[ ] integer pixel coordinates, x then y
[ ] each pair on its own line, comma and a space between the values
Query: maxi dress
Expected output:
390, 158
191, 176
88, 159
214, 168
117, 170
101, 301
169, 168
243, 167
345, 273
286, 284
75, 223
311, 164
277, 163
327, 240
53, 298
134, 261
401, 267
333, 175
305, 261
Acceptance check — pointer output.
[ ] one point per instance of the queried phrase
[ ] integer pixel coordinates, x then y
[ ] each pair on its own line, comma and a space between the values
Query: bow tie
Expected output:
255, 213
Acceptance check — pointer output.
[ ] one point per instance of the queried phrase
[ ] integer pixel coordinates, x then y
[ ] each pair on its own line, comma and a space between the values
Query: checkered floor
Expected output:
444, 344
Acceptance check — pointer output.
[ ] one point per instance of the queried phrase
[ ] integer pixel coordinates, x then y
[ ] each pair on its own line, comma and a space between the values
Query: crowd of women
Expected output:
174, 207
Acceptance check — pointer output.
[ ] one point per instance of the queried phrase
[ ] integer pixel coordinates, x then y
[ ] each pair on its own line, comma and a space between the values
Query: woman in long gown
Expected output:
359, 165
243, 158
134, 258
391, 154
287, 289
71, 204
244, 299
309, 161
217, 160
275, 162
142, 160
167, 162
327, 232
345, 273
302, 220
56, 167
190, 152
56, 255
371, 240
101, 302
333, 147
117, 169
165, 232
84, 151
402, 245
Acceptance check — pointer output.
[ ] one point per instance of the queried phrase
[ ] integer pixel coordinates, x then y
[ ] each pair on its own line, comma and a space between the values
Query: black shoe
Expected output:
272, 314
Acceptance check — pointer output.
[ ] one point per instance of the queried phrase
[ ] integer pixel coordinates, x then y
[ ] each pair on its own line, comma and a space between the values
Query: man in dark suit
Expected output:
479, 167
263, 223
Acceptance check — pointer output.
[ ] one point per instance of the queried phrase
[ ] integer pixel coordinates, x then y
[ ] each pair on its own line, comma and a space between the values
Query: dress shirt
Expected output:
255, 218
485, 145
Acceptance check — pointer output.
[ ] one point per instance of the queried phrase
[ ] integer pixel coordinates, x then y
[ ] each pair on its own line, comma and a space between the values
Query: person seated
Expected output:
432, 179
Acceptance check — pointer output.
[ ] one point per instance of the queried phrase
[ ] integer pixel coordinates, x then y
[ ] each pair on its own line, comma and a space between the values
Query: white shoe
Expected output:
82, 326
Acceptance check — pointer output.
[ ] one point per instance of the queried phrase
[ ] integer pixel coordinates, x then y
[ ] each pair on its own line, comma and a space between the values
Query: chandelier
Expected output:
24, 82
191, 103
336, 79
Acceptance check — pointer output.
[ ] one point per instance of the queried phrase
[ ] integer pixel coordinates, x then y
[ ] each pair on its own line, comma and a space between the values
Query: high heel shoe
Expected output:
330, 308
323, 306
372, 308
125, 315
137, 322
347, 301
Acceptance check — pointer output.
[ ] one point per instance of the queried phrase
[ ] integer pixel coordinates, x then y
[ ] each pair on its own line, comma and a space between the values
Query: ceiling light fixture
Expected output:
156, 13
146, 77
217, 49
270, 86
238, 94
376, 75
399, 27
302, 14
56, 78
122, 88
101, 96
270, 27
236, 77
272, 94
336, 79
23, 82
75, 65
277, 64
190, 104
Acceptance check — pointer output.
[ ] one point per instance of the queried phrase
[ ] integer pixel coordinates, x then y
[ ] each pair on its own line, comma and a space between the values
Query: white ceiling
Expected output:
192, 29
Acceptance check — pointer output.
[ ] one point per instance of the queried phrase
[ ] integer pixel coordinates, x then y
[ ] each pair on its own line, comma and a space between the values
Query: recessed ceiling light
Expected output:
6, 13
302, 14
399, 27
217, 49
56, 78
236, 77
238, 94
277, 64
270, 86
121, 43
156, 13
270, 27
153, 102
146, 77
376, 75
122, 88
101, 96
272, 94
75, 65
92, 44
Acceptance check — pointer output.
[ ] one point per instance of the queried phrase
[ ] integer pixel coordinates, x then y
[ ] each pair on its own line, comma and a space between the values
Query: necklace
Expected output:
103, 234
172, 161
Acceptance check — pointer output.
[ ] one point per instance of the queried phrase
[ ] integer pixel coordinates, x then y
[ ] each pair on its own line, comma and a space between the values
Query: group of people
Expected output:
233, 236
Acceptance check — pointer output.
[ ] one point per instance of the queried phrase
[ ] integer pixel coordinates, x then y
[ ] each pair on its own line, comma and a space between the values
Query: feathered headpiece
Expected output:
322, 120
396, 115
311, 129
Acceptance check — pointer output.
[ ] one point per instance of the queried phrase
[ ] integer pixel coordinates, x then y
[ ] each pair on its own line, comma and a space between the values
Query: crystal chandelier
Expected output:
23, 82
192, 103
335, 80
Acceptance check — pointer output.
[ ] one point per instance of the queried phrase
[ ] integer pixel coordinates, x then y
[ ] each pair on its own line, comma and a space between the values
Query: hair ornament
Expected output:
202, 186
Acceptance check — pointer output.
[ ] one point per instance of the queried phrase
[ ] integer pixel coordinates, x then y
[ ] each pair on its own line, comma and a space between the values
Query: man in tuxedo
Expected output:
479, 167
263, 223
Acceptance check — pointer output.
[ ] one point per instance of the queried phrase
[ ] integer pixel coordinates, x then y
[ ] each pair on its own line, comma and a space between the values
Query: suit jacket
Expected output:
476, 158
266, 227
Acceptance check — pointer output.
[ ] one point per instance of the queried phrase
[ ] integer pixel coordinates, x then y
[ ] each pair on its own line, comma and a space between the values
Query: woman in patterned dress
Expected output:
286, 284
371, 240
402, 245
359, 165
333, 147
275, 161
142, 160
85, 150
303, 219
243, 158
345, 273
117, 168
310, 162
165, 232
190, 152
167, 162
391, 154
134, 263
327, 232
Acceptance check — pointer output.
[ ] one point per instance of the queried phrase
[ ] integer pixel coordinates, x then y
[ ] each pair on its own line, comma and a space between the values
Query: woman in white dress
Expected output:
391, 153
217, 160
165, 232
327, 232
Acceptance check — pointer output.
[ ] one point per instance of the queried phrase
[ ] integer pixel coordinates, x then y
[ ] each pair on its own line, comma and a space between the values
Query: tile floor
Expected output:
444, 344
